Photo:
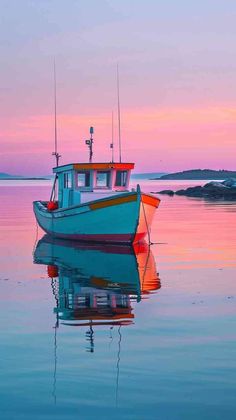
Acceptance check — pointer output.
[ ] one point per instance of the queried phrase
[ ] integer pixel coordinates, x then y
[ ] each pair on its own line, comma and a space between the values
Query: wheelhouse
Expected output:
74, 180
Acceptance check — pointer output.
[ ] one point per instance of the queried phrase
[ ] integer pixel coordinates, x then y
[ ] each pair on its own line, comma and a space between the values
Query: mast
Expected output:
112, 138
55, 153
118, 106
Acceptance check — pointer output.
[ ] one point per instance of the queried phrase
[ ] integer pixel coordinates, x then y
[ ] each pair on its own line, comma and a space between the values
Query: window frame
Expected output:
108, 179
122, 173
67, 180
87, 179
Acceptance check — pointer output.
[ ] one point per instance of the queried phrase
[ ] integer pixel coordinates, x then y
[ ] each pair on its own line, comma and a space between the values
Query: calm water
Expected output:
159, 348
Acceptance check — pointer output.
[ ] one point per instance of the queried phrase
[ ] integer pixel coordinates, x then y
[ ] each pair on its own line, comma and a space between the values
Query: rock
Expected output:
215, 184
181, 192
191, 192
167, 192
231, 182
212, 190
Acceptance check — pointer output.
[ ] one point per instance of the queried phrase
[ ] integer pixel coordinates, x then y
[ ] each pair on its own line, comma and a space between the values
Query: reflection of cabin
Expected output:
97, 283
79, 301
83, 182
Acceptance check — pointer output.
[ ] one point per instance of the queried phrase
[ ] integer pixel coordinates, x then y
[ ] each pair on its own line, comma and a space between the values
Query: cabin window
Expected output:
121, 178
67, 180
103, 179
83, 179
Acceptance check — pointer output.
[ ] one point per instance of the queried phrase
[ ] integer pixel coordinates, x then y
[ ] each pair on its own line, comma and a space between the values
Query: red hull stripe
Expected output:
116, 238
152, 201
84, 324
139, 237
105, 248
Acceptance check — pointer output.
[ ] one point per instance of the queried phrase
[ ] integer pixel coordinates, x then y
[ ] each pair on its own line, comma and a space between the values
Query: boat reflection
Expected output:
96, 284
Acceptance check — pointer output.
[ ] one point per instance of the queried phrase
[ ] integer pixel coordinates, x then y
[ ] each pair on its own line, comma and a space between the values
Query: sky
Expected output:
177, 66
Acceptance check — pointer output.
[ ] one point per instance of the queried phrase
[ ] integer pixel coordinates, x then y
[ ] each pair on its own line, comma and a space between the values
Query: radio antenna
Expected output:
112, 138
118, 106
89, 143
55, 153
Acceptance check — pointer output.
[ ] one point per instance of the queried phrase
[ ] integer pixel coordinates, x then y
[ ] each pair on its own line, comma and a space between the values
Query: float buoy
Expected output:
52, 205
52, 271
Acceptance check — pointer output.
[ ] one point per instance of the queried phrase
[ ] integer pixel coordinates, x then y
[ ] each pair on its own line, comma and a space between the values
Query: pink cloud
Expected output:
161, 139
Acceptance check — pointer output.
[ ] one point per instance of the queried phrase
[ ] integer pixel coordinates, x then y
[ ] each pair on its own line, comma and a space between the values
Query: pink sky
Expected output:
177, 78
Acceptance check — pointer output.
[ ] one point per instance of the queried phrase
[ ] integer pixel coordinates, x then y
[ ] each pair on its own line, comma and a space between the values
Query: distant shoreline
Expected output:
23, 179
198, 174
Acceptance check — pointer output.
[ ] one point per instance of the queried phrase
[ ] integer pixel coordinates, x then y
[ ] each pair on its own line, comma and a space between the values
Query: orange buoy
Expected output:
52, 271
52, 205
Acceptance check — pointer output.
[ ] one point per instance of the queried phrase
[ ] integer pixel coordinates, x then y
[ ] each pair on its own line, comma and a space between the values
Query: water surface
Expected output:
162, 348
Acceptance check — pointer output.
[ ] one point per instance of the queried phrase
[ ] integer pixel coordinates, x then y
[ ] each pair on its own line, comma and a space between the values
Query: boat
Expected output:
95, 203
101, 292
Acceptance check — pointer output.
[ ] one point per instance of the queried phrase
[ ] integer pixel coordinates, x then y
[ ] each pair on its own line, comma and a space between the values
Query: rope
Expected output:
146, 266
53, 193
148, 231
36, 238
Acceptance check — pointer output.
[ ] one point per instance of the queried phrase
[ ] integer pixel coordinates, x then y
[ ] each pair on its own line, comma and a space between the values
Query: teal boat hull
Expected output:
124, 218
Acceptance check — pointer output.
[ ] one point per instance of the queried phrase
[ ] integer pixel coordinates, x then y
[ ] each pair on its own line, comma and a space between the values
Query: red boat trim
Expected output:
101, 166
138, 237
115, 238
152, 201
89, 323
108, 249
109, 237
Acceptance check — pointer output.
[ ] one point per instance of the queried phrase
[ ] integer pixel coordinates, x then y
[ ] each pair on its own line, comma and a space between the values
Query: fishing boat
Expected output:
93, 202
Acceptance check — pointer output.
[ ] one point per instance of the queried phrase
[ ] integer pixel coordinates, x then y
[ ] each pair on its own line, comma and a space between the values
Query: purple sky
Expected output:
177, 82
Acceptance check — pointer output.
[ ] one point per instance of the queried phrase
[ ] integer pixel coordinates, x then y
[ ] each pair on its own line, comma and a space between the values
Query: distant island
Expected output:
225, 190
4, 176
200, 174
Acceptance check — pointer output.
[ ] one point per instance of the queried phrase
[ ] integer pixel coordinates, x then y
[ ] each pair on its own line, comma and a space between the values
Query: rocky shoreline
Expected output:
225, 190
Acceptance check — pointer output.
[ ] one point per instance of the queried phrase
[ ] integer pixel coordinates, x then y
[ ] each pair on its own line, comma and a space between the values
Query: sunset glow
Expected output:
177, 86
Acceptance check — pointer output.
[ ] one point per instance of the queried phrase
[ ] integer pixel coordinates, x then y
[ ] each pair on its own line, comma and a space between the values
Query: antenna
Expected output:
55, 153
112, 138
118, 106
90, 144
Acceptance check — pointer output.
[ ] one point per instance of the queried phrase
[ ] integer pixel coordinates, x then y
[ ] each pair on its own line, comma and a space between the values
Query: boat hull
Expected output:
125, 218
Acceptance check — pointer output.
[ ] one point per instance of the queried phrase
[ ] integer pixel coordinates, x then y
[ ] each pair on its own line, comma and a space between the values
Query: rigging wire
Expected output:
118, 106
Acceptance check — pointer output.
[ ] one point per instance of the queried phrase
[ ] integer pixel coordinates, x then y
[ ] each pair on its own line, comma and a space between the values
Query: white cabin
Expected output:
80, 183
